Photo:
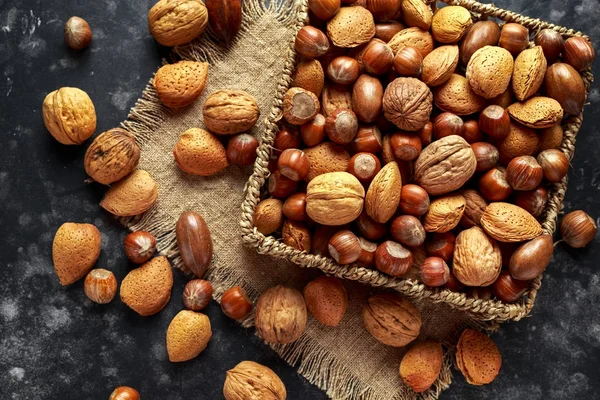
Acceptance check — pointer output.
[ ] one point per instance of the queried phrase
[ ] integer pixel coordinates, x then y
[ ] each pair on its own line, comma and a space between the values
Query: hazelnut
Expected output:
408, 230
447, 124
377, 58
78, 34
367, 98
324, 9
235, 303
341, 126
367, 255
531, 258
384, 10
508, 289
313, 132
281, 186
471, 131
294, 207
320, 239
551, 43
268, 216
344, 247
533, 201
434, 272
577, 229
295, 234
414, 200
287, 137
393, 259
387, 30
486, 154
405, 147
554, 164
300, 106
369, 228
367, 140
280, 315
241, 150
293, 164
454, 284
343, 70
495, 121
408, 62
100, 286
197, 294
124, 393
426, 134
364, 166
139, 246
441, 245
311, 42
494, 186
524, 173
579, 53
514, 38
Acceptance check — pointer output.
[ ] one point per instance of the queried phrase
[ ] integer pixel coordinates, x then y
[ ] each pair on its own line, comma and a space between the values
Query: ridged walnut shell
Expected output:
475, 205
407, 103
392, 319
489, 71
383, 196
351, 27
69, 115
477, 357
175, 22
477, 258
450, 23
445, 165
179, 84
537, 112
334, 198
457, 96
509, 223
111, 156
439, 65
412, 37
529, 71
280, 315
444, 213
131, 196
252, 381
228, 112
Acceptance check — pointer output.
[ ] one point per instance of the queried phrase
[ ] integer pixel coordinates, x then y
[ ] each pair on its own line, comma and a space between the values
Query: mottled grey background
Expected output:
54, 343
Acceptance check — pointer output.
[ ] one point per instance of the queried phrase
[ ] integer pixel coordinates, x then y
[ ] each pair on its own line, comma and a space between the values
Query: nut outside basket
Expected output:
479, 309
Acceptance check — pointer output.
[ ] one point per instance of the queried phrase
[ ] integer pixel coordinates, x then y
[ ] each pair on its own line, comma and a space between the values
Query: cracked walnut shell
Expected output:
112, 156
477, 258
227, 112
252, 381
280, 315
392, 319
407, 103
69, 115
175, 22
334, 198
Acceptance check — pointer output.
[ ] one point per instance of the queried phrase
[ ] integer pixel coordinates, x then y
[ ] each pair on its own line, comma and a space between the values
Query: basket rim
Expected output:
480, 309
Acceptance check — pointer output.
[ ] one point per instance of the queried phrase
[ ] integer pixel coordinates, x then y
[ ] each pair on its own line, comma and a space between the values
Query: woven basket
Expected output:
479, 309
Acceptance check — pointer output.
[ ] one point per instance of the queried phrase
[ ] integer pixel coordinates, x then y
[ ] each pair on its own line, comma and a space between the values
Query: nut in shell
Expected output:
334, 198
131, 196
69, 115
416, 13
412, 37
280, 315
227, 112
392, 319
250, 380
112, 156
449, 24
75, 250
477, 357
457, 96
439, 65
175, 22
147, 289
100, 286
537, 112
407, 102
490, 70
421, 365
198, 152
444, 213
326, 299
477, 258
179, 84
509, 223
383, 196
351, 27
188, 335
529, 72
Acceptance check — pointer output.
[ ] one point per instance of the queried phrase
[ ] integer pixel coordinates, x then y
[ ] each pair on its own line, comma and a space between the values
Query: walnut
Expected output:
334, 198
228, 112
250, 380
111, 156
296, 235
175, 22
407, 102
69, 115
392, 319
474, 208
477, 258
280, 315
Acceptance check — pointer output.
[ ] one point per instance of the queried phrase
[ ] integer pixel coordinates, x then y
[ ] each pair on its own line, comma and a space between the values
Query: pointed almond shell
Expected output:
131, 196
477, 357
147, 289
421, 365
537, 112
529, 72
326, 299
75, 249
509, 223
188, 335
444, 213
383, 196
179, 84
439, 65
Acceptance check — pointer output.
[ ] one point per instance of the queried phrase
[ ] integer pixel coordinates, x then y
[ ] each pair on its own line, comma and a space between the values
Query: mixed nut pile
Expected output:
422, 148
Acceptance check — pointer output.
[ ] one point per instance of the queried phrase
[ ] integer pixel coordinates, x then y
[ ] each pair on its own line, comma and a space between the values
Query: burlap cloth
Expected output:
346, 362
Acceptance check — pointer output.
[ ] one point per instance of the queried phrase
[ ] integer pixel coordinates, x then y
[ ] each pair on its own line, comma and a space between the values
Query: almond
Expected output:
227, 112
309, 76
449, 24
179, 84
147, 289
326, 299
326, 157
416, 13
456, 96
188, 335
131, 196
351, 27
421, 365
383, 196
537, 112
477, 357
489, 71
444, 213
529, 72
520, 141
477, 258
439, 65
198, 152
75, 250
334, 97
509, 223
412, 37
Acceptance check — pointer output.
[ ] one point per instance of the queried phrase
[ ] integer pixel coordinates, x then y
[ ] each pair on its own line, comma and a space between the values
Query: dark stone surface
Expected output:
54, 343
